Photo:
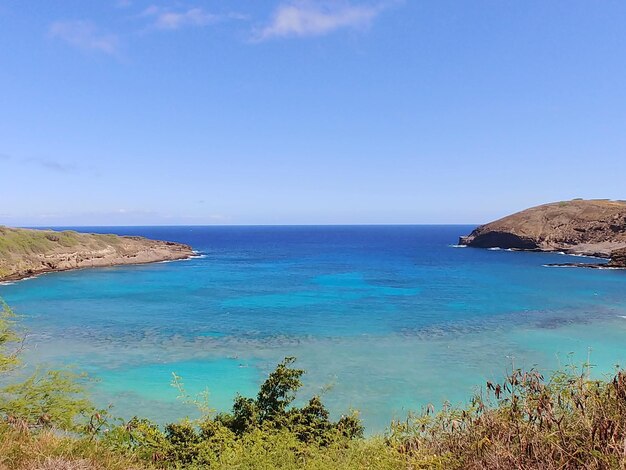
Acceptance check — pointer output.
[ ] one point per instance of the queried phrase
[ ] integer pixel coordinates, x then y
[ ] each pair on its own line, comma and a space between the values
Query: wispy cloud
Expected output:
84, 35
167, 19
45, 163
315, 18
115, 216
53, 165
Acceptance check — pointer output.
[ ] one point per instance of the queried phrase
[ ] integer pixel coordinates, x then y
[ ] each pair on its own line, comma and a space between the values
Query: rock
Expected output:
618, 259
586, 227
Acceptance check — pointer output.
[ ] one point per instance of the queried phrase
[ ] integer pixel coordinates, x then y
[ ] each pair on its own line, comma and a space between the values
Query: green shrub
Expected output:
8, 339
252, 425
53, 398
50, 398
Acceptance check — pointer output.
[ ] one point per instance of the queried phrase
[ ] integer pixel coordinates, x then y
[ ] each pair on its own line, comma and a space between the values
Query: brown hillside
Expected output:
590, 227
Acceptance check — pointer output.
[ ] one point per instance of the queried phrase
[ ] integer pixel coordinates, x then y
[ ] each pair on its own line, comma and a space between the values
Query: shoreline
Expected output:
609, 262
27, 253
13, 278
585, 266
555, 251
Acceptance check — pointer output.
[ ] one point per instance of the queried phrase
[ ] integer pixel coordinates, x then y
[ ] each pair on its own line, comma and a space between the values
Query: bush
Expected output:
253, 424
567, 422
53, 398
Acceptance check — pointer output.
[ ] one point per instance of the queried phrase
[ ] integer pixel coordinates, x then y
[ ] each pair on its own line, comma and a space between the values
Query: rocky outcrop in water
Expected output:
26, 252
618, 259
585, 227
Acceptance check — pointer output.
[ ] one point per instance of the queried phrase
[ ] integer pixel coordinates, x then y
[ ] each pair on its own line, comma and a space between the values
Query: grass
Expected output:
20, 242
24, 449
26, 242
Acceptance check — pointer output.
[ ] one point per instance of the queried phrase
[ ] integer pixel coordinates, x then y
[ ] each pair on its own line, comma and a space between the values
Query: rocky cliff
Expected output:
25, 252
587, 227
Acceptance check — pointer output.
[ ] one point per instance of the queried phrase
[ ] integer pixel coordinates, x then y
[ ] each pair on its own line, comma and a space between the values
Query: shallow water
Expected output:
383, 318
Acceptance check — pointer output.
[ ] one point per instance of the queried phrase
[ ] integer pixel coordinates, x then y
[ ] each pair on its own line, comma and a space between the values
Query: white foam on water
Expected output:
580, 255
9, 283
195, 256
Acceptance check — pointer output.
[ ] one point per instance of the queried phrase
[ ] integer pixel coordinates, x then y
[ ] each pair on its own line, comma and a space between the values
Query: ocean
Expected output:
384, 319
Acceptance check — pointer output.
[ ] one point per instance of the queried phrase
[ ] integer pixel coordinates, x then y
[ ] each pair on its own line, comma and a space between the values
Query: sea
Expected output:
385, 320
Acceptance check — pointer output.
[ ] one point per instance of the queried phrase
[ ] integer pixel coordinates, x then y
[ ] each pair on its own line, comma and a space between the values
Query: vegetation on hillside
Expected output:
13, 240
568, 421
16, 245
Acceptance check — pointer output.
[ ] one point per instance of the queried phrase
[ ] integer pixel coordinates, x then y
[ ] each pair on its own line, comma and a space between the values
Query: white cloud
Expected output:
316, 18
171, 20
84, 35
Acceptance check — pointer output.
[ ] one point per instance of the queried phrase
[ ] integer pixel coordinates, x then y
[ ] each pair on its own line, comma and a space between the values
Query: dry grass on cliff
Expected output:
568, 422
21, 449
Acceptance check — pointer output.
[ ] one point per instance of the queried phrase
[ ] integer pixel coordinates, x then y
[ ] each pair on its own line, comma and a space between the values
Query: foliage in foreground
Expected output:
568, 421
45, 398
265, 423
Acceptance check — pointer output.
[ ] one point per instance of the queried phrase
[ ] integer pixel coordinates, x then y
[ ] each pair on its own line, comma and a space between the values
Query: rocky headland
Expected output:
27, 252
579, 227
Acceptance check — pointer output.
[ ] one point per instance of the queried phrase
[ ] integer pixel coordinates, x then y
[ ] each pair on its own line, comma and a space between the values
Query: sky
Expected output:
132, 112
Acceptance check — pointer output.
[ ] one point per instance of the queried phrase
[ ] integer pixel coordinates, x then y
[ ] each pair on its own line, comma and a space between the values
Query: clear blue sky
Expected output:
289, 112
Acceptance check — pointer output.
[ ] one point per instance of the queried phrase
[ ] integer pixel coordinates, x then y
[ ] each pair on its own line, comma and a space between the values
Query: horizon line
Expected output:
375, 224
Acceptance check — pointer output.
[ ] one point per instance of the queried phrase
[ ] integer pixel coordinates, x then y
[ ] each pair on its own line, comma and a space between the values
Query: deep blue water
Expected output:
384, 318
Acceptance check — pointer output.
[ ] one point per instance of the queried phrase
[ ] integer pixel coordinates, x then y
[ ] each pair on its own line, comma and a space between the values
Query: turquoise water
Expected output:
383, 318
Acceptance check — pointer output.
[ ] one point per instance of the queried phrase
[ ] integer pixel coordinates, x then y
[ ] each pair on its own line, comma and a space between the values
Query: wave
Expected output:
586, 266
165, 261
9, 283
580, 255
577, 255
457, 246
196, 255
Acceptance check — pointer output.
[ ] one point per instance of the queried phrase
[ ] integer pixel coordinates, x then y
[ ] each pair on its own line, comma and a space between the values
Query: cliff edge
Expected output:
584, 227
27, 252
